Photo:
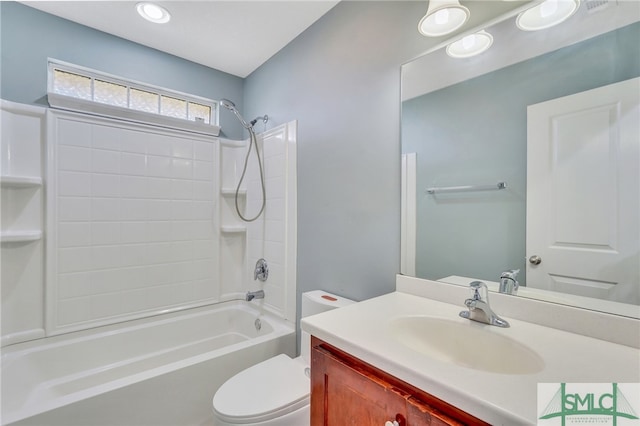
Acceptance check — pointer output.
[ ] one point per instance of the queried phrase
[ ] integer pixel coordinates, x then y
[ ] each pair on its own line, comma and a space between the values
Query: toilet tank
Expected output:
315, 302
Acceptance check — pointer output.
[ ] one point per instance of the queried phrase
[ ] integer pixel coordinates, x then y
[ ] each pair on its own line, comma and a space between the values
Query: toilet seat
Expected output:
268, 390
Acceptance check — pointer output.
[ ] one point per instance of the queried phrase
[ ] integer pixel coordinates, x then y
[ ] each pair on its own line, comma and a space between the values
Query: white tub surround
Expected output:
273, 236
140, 227
500, 399
170, 366
139, 220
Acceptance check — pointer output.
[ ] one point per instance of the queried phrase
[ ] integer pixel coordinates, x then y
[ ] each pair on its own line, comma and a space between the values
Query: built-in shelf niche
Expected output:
20, 236
231, 192
233, 241
236, 229
22, 146
8, 181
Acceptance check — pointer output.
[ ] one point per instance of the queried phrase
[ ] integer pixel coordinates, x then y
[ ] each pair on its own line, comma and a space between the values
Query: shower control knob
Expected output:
262, 270
535, 260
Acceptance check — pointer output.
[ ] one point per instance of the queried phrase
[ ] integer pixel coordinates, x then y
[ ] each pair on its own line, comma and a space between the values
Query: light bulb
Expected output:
442, 16
153, 13
470, 45
547, 14
548, 8
469, 41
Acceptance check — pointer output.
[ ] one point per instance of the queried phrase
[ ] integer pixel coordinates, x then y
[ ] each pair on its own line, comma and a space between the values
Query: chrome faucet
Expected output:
261, 272
508, 283
479, 309
255, 295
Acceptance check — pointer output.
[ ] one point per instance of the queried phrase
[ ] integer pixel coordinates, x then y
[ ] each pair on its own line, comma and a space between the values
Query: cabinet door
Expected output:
348, 392
421, 414
343, 395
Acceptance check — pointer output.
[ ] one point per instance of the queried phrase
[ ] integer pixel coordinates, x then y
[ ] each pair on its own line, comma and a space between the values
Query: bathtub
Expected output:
156, 371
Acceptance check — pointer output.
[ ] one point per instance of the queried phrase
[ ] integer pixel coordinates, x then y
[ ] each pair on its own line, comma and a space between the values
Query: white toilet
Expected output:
275, 392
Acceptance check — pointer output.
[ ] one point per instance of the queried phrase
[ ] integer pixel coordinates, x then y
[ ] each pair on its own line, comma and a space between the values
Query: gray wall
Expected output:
28, 37
476, 132
341, 80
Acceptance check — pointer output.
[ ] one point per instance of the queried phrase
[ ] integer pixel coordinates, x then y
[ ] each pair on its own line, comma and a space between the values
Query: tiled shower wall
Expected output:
134, 223
138, 220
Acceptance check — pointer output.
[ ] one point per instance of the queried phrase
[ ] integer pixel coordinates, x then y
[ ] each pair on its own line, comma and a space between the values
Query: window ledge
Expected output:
89, 107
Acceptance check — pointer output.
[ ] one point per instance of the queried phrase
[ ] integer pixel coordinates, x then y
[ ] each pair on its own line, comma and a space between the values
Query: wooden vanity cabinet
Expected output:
348, 392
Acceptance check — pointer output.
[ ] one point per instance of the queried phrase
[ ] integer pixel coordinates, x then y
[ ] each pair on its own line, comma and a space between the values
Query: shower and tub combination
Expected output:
139, 292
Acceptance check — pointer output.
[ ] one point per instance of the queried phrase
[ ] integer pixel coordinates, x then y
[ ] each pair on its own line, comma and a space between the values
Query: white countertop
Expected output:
363, 330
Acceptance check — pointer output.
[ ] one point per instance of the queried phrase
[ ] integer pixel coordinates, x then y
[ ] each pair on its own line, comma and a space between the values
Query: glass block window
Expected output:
199, 112
142, 100
173, 107
84, 84
74, 85
110, 93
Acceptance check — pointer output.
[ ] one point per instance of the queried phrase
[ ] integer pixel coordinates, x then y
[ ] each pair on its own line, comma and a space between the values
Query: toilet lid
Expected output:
264, 391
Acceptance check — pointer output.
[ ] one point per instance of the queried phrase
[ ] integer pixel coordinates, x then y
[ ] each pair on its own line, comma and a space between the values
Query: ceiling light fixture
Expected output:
547, 14
153, 13
443, 17
471, 45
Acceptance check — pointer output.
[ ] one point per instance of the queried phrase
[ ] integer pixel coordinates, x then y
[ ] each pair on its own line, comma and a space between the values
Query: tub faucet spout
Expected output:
255, 295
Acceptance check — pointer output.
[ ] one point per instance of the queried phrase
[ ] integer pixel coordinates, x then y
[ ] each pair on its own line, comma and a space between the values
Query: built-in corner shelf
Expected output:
8, 181
233, 229
20, 236
232, 192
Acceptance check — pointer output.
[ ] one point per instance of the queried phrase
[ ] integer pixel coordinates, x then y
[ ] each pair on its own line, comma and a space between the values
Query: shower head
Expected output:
228, 104
232, 107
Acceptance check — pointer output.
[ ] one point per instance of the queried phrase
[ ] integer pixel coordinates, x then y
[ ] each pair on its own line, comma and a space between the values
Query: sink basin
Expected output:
467, 344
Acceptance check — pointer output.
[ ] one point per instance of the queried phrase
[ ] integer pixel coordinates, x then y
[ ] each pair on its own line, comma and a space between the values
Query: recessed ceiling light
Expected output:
546, 14
471, 45
443, 17
152, 12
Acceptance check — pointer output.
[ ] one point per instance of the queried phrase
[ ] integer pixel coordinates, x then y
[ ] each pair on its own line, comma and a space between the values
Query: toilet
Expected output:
275, 392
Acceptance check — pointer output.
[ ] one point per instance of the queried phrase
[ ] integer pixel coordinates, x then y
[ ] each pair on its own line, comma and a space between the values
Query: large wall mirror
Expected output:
527, 157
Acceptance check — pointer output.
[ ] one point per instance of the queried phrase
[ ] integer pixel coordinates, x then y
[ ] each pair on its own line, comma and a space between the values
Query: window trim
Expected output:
59, 101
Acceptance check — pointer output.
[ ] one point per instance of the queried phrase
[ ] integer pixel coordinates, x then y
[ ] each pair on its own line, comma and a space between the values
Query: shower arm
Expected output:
264, 119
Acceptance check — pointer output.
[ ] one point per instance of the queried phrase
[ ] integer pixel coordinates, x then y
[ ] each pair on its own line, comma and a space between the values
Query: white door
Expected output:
583, 187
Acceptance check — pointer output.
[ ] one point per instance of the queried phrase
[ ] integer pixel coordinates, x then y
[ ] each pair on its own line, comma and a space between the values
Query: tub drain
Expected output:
258, 324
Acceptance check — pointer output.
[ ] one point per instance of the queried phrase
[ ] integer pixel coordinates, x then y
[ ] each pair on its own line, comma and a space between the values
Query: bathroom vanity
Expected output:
344, 387
408, 357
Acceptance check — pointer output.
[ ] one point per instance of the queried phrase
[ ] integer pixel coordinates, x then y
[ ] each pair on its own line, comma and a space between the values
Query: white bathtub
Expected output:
156, 371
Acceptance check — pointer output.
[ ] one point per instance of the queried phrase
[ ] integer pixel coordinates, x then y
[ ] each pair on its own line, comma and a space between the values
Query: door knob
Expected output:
535, 260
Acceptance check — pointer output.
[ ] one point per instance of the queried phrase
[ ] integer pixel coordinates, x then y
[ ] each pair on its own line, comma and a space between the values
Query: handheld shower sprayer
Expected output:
232, 107
226, 103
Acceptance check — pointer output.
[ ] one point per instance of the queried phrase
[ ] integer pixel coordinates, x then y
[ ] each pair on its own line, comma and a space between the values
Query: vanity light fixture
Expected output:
547, 14
471, 45
153, 13
443, 17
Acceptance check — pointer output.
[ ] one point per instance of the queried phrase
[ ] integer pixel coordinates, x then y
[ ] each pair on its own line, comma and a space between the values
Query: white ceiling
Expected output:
234, 36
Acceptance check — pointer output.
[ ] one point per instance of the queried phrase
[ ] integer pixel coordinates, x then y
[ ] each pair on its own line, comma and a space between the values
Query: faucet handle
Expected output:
511, 273
476, 287
261, 272
508, 283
